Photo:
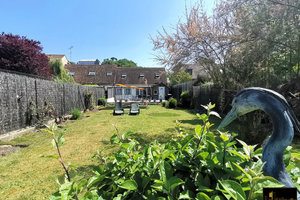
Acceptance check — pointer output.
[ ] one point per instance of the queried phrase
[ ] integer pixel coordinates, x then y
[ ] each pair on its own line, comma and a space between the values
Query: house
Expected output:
89, 62
61, 57
195, 70
122, 82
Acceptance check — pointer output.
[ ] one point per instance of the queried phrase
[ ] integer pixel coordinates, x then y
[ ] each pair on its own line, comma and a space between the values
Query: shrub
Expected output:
102, 102
59, 72
164, 104
17, 53
76, 114
190, 166
186, 99
172, 103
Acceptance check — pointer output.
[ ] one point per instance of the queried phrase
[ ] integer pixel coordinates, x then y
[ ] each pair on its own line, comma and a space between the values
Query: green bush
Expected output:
164, 104
186, 99
172, 103
102, 102
205, 165
76, 114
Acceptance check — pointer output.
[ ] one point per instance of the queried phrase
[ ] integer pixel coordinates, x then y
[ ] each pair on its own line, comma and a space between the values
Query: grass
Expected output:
30, 174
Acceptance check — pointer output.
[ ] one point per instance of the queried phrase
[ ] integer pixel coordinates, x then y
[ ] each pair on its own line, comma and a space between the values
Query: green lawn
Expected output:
29, 174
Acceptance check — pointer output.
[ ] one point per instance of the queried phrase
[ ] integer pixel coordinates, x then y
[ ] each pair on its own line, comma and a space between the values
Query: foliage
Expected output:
164, 104
23, 55
59, 72
172, 103
121, 63
244, 43
102, 101
186, 99
178, 77
38, 115
204, 165
89, 100
76, 114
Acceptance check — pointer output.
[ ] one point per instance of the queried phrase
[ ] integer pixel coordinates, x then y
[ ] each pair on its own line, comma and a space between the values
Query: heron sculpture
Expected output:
284, 122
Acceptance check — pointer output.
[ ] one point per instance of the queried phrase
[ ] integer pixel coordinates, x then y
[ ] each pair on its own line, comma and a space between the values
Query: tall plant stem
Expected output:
62, 162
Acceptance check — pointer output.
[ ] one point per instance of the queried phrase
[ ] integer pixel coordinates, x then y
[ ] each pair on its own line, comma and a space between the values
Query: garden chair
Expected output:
134, 109
118, 110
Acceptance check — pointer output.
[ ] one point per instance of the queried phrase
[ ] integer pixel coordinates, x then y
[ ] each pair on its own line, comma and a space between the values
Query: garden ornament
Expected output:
284, 122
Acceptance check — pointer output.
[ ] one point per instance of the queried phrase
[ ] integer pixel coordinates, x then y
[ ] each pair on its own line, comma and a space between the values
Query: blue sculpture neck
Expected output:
274, 147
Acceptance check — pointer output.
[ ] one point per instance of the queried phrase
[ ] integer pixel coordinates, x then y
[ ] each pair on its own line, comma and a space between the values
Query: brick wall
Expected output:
17, 91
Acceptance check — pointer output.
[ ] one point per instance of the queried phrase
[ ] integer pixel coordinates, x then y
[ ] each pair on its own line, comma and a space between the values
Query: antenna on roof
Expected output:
70, 48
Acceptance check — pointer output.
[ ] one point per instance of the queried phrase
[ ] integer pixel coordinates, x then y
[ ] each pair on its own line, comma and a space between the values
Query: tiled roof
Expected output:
135, 76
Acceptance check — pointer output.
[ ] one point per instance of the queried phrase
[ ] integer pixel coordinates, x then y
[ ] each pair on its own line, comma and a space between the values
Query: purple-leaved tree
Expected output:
23, 55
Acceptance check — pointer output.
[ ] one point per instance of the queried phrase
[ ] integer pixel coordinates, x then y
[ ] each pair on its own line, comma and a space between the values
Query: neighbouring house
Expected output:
195, 70
89, 62
123, 83
61, 57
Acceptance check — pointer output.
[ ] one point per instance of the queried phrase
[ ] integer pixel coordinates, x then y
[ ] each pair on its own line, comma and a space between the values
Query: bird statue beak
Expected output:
232, 115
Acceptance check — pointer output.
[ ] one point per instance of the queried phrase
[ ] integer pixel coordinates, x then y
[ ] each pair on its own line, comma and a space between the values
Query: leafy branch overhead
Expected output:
243, 43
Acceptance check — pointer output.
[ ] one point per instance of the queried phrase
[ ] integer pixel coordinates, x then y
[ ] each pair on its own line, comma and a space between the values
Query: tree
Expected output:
59, 72
178, 77
244, 43
23, 55
121, 63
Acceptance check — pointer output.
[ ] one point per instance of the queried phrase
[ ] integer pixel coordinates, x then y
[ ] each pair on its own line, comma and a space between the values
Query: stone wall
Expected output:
17, 91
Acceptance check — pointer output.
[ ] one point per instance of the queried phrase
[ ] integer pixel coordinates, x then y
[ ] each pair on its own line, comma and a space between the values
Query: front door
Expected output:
161, 93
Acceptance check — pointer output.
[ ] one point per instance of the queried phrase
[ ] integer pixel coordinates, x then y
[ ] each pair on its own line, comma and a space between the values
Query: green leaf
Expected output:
60, 139
202, 196
198, 130
47, 131
203, 117
267, 181
129, 185
125, 135
114, 139
224, 136
172, 183
241, 169
94, 180
166, 170
52, 156
65, 190
185, 195
234, 189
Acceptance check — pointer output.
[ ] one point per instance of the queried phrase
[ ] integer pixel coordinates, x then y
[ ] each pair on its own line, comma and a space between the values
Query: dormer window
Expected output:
71, 73
142, 75
123, 75
92, 73
109, 74
156, 75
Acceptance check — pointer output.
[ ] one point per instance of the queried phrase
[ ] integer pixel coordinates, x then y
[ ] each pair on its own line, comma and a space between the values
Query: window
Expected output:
142, 75
92, 73
156, 75
190, 71
71, 73
123, 75
119, 91
127, 91
155, 92
139, 92
108, 73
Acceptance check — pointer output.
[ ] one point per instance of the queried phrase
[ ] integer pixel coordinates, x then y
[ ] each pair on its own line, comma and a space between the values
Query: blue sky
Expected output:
95, 28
